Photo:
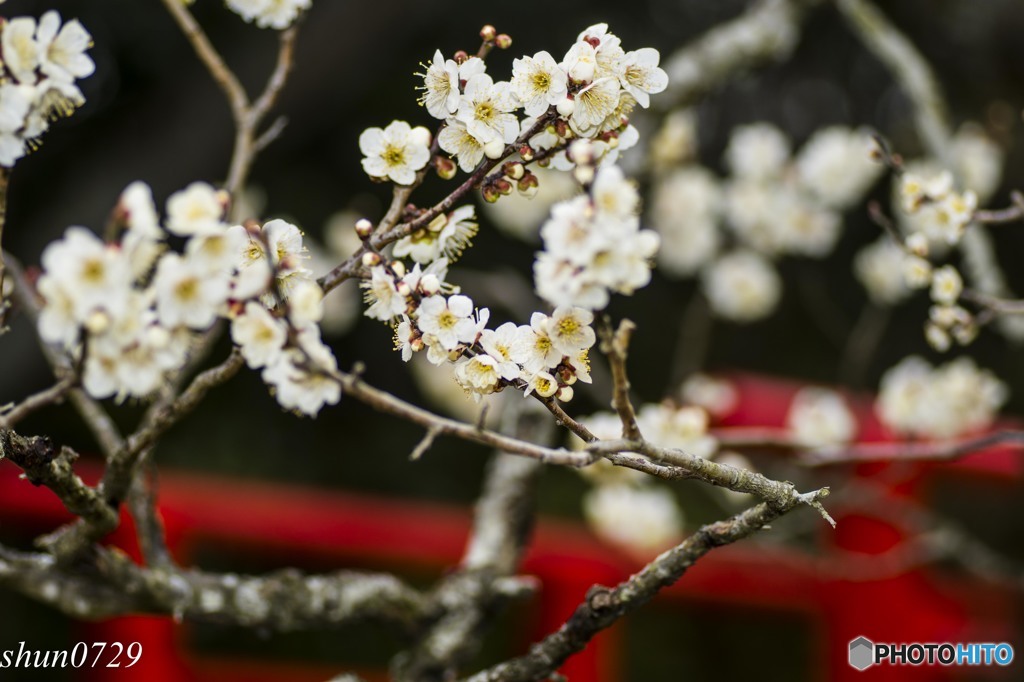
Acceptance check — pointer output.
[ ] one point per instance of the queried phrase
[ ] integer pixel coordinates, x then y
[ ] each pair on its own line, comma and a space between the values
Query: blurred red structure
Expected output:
291, 524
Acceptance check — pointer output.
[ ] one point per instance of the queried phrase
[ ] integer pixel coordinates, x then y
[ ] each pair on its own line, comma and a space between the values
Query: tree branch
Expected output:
603, 606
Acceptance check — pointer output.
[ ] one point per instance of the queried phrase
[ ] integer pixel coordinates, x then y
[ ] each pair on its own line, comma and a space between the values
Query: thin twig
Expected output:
48, 396
615, 345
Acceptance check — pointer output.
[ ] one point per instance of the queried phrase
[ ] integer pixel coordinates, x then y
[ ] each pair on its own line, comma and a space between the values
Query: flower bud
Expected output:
416, 344
430, 284
917, 244
490, 194
445, 167
566, 107
584, 174
398, 267
224, 199
494, 149
403, 289
514, 171
503, 41
97, 322
370, 259
565, 394
528, 184
488, 33
364, 228
582, 152
460, 56
503, 186
526, 153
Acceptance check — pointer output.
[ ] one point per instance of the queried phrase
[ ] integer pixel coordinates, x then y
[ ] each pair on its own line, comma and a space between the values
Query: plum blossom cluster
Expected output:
951, 400
589, 93
279, 14
593, 244
774, 203
130, 311
819, 416
933, 217
41, 63
546, 356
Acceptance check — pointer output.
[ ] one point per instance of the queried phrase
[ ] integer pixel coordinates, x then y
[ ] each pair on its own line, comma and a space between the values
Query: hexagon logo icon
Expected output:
862, 653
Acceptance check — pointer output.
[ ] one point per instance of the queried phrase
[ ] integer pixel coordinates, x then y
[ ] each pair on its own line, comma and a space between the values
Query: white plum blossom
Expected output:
590, 251
685, 211
595, 103
718, 397
500, 344
197, 209
22, 52
538, 82
819, 417
742, 286
94, 275
300, 387
440, 87
448, 235
62, 48
835, 168
396, 152
381, 293
486, 109
641, 76
187, 294
277, 14
534, 349
978, 159
879, 267
37, 79
260, 336
946, 285
478, 375
917, 271
570, 331
943, 402
681, 428
456, 139
448, 320
758, 151
643, 520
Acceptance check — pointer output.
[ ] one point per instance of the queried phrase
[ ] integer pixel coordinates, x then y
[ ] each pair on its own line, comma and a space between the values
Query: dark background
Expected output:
153, 113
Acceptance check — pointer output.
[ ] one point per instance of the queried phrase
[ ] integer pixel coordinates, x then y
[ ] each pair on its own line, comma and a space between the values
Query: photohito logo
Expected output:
864, 653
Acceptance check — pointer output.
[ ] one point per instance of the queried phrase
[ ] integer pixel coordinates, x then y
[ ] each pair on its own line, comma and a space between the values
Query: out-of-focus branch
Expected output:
470, 597
69, 541
603, 606
615, 345
248, 115
47, 396
768, 31
112, 585
5, 305
926, 450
